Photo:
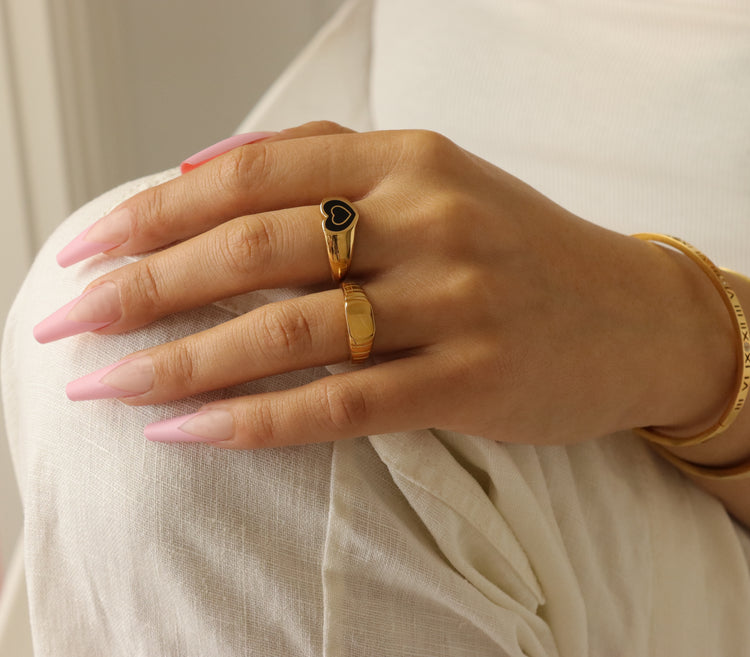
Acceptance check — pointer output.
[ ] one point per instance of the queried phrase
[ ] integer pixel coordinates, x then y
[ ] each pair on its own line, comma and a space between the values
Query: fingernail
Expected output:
107, 233
225, 145
94, 309
128, 378
202, 427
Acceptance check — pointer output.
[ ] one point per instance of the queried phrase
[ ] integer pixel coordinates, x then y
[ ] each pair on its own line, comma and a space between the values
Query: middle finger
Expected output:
266, 250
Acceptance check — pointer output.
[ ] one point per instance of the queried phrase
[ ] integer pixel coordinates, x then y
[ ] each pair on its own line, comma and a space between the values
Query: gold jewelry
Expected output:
360, 322
737, 471
339, 221
742, 383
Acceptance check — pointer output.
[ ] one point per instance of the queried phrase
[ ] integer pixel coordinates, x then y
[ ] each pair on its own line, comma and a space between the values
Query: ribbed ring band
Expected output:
360, 322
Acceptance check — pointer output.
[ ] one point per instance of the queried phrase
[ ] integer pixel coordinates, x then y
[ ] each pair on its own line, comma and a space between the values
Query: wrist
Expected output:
692, 354
733, 445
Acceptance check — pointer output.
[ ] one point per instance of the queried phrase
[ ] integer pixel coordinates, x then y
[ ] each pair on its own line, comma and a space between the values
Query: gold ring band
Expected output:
360, 322
339, 222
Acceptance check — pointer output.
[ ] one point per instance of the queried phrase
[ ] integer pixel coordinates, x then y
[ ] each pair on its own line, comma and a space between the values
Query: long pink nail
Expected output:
207, 426
219, 148
128, 378
94, 309
107, 233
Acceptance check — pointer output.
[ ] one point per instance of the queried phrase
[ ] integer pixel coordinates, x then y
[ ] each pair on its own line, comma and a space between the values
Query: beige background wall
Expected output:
95, 92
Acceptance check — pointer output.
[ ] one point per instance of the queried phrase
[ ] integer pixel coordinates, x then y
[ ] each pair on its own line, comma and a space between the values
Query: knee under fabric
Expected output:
446, 541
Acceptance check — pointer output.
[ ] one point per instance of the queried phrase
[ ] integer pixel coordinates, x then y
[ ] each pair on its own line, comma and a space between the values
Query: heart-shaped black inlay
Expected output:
339, 214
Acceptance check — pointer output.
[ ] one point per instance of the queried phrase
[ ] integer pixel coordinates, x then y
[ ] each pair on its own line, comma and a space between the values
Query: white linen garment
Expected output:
631, 114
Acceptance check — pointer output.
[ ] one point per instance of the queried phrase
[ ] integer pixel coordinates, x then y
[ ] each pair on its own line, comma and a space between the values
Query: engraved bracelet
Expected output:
742, 382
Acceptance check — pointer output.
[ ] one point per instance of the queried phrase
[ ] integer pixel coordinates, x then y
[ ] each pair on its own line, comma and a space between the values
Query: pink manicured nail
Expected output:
225, 145
208, 426
128, 378
107, 233
94, 309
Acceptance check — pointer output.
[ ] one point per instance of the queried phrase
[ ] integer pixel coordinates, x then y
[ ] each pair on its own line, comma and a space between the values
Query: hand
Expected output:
498, 313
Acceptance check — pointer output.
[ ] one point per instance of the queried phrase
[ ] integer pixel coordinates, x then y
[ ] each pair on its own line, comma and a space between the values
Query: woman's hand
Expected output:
498, 313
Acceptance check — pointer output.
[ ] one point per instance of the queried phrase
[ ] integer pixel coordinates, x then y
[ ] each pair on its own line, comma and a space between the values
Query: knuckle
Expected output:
180, 363
244, 164
465, 285
286, 332
344, 407
444, 219
428, 146
323, 127
146, 288
150, 206
463, 367
247, 245
263, 428
450, 207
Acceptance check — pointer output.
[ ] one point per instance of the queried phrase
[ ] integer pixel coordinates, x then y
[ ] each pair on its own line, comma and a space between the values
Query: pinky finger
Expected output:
398, 395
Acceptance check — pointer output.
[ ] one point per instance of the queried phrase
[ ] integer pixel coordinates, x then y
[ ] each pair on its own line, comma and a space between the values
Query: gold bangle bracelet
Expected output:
742, 382
739, 470
726, 270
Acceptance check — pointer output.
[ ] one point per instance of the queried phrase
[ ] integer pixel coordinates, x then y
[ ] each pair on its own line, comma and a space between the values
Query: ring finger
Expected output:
304, 332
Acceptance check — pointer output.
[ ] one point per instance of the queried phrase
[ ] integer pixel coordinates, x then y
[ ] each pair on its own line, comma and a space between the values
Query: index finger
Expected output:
280, 172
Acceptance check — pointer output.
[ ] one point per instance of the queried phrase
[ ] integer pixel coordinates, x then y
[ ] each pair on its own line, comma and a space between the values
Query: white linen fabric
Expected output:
631, 114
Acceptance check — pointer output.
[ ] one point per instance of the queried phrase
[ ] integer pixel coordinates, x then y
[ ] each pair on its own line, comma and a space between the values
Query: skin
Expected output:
499, 313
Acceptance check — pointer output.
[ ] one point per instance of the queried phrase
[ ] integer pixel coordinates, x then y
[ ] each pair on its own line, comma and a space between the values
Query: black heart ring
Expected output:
339, 221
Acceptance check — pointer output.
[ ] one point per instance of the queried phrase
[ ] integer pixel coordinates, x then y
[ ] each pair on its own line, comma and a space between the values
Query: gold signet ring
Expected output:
360, 322
339, 222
